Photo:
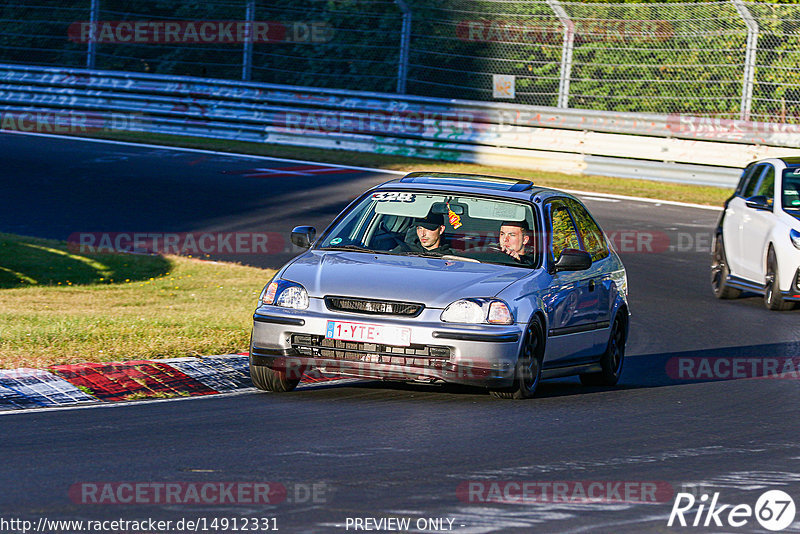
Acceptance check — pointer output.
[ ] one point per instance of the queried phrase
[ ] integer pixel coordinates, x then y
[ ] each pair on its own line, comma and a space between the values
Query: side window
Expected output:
766, 186
594, 242
562, 229
752, 181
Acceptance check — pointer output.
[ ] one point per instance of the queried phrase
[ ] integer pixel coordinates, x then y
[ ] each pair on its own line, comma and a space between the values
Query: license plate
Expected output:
368, 333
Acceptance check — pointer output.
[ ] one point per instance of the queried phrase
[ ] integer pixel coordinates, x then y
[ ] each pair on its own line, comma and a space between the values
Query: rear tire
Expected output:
528, 372
612, 358
720, 272
275, 380
773, 299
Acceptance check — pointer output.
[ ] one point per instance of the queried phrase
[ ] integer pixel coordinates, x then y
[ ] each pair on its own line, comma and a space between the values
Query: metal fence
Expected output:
727, 60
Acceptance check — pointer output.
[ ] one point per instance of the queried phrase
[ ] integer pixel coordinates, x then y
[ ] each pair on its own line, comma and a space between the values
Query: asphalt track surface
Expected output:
377, 450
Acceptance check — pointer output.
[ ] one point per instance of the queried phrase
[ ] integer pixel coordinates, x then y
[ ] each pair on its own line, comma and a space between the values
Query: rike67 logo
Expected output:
774, 510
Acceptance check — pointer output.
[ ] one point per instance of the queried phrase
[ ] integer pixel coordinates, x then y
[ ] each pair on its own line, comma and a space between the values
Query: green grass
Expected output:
60, 306
713, 196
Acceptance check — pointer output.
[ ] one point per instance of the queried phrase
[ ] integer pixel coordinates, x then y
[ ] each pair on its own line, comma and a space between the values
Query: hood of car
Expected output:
431, 281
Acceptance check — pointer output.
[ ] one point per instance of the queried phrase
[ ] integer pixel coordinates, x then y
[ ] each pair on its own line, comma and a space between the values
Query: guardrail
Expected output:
662, 147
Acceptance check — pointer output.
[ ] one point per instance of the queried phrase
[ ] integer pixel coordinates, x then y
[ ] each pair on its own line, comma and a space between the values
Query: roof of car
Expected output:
789, 161
518, 188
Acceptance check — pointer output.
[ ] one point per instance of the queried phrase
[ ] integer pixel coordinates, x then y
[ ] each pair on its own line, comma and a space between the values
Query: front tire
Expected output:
773, 299
612, 358
275, 380
528, 372
720, 272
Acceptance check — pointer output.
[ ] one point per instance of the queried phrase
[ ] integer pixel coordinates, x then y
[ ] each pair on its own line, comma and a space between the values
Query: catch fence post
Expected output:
566, 52
247, 57
749, 59
91, 50
405, 42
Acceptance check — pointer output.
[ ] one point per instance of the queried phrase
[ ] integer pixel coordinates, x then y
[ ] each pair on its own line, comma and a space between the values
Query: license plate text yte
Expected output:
368, 333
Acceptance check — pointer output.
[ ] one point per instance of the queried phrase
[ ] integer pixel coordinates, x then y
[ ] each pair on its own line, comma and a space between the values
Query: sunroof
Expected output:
496, 183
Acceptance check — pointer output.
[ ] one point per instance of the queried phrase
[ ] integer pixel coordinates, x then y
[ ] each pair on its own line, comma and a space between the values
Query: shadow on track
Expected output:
772, 361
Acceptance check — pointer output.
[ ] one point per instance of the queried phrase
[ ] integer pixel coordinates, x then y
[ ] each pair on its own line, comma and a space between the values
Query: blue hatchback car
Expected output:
448, 278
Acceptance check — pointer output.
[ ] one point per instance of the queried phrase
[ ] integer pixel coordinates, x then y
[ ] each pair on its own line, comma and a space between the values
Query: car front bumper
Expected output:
793, 292
789, 273
477, 355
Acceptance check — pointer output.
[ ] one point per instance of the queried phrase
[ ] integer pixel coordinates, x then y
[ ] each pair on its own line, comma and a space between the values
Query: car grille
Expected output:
373, 307
413, 355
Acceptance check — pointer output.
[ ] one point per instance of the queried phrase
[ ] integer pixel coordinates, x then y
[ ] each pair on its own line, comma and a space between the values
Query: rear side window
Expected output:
594, 242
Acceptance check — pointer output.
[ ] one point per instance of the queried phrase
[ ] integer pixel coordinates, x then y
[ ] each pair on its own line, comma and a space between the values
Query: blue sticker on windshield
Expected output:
336, 240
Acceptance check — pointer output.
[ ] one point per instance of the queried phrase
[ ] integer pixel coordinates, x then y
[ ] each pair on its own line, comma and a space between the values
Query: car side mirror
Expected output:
758, 202
304, 236
573, 260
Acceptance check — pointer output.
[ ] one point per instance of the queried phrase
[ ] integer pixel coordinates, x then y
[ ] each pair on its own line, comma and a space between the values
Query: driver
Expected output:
429, 239
514, 239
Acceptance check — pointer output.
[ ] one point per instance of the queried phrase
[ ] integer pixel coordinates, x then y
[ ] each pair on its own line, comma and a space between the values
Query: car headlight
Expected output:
286, 294
794, 235
491, 311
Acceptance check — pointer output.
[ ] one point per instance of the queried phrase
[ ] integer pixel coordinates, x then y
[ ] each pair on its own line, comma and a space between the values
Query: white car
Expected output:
757, 241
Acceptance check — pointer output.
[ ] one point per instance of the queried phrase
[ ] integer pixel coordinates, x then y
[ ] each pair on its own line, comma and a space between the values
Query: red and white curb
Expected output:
88, 383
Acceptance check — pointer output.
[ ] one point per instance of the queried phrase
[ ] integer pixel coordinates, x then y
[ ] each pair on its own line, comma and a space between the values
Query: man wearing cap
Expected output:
429, 236
514, 238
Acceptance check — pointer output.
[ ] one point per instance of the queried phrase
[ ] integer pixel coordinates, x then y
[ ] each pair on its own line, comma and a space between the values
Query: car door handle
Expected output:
591, 285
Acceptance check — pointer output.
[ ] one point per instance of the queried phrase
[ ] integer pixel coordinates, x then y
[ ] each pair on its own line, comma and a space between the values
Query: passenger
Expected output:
514, 239
429, 238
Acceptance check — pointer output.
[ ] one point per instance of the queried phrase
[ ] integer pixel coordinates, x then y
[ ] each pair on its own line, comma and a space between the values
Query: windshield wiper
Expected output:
461, 258
352, 248
421, 254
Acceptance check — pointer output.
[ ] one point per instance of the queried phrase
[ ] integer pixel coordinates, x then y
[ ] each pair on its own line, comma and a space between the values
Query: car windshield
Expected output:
436, 224
791, 188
